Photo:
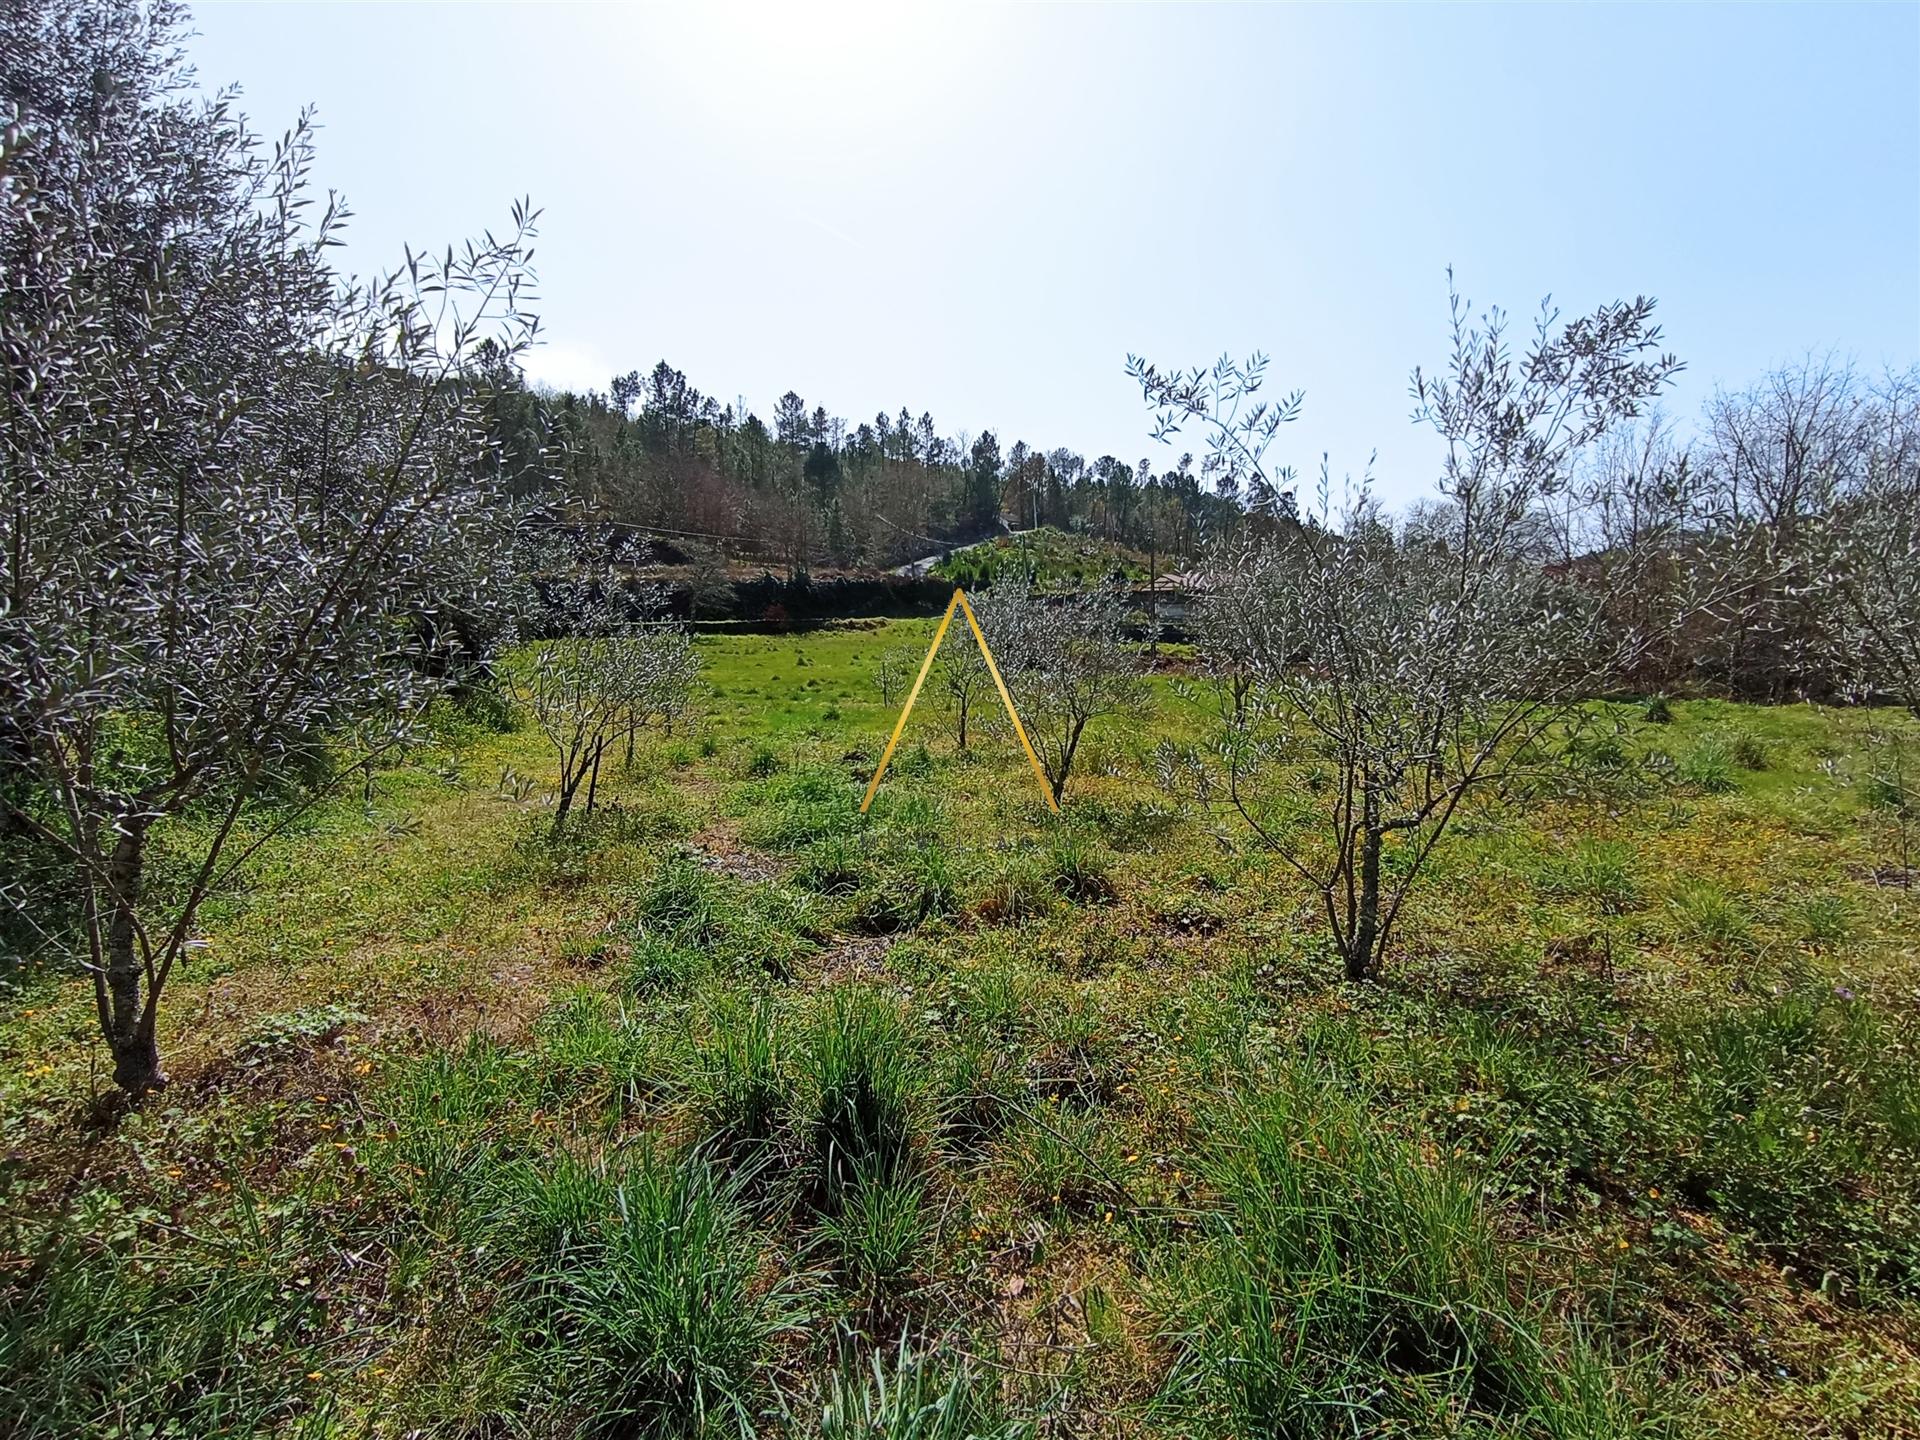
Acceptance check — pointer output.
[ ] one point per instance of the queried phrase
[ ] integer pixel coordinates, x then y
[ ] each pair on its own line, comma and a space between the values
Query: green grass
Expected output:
1345, 1282
738, 1112
1052, 557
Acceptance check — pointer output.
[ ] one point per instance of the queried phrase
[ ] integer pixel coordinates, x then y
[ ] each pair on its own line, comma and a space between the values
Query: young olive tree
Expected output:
893, 671
610, 667
1377, 677
241, 495
1066, 660
963, 679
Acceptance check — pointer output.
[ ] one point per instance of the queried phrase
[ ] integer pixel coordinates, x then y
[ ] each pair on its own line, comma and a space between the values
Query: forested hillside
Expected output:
814, 490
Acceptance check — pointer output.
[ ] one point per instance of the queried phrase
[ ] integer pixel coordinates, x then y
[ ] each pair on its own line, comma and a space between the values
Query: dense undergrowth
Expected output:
737, 1113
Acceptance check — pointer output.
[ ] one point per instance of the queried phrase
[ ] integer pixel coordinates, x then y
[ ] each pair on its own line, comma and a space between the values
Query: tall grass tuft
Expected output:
740, 1087
1709, 766
1347, 1285
208, 1336
660, 1325
917, 1396
1079, 869
880, 1230
863, 1070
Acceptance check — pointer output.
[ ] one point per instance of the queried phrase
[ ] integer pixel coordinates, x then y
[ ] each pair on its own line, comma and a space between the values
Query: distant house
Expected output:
1172, 596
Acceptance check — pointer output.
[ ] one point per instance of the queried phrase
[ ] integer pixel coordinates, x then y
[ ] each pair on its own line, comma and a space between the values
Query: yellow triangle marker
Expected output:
899, 726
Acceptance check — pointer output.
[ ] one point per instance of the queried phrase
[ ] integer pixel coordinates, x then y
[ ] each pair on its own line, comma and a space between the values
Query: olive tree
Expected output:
1377, 676
1067, 661
609, 666
242, 494
962, 675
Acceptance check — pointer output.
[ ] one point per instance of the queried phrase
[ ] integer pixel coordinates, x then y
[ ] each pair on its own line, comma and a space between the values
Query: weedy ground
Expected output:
732, 1112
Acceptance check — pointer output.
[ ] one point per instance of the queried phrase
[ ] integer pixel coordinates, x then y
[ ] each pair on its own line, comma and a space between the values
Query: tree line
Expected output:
715, 482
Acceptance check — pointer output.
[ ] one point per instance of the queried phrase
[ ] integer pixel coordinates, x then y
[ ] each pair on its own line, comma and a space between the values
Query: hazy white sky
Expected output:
980, 211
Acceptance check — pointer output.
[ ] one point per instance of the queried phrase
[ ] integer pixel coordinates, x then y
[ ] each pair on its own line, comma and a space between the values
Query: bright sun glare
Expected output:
819, 69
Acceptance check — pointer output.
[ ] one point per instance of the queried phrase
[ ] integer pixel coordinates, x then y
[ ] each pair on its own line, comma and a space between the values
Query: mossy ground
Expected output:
1628, 1141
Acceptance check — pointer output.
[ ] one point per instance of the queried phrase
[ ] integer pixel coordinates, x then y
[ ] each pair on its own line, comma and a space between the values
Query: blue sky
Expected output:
979, 212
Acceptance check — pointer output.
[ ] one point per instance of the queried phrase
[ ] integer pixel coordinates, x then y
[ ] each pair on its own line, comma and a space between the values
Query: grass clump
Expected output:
740, 1087
588, 1048
1064, 1158
1705, 915
920, 1395
659, 965
1748, 750
212, 1335
1078, 869
831, 866
1017, 888
881, 1230
863, 1073
692, 919
658, 1323
1600, 872
918, 883
1347, 1285
796, 808
1708, 766
1799, 1124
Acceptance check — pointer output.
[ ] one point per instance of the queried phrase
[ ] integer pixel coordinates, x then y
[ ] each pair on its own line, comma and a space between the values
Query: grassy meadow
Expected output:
736, 1113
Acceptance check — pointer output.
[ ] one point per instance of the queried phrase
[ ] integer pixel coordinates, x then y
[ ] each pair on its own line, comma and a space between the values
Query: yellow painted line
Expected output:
912, 695
899, 726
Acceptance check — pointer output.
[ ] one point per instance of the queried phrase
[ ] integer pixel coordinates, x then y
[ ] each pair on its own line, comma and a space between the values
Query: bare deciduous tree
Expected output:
240, 493
1873, 567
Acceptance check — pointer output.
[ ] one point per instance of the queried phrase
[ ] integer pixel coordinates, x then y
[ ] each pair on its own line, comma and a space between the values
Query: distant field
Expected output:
692, 1117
